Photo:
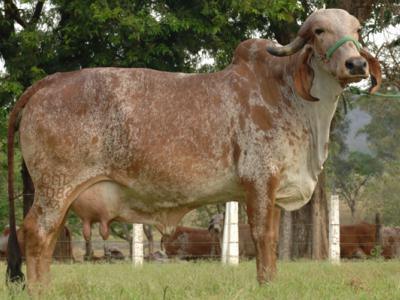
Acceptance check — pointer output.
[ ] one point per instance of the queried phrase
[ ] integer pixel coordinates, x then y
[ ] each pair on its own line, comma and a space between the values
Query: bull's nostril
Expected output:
365, 64
349, 65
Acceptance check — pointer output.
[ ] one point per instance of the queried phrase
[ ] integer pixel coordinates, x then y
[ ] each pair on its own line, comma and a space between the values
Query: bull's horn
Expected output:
289, 49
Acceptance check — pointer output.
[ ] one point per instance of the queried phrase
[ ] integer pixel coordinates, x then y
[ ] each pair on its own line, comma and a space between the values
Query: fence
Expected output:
201, 244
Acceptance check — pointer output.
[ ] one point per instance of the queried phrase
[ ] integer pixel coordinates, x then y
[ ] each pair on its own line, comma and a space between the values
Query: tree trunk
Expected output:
320, 226
353, 212
301, 232
308, 235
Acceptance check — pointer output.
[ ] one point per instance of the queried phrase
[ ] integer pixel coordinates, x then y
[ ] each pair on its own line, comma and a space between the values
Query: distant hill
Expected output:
357, 120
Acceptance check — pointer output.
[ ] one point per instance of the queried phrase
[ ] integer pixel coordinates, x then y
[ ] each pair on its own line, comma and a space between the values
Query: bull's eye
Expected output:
318, 31
359, 31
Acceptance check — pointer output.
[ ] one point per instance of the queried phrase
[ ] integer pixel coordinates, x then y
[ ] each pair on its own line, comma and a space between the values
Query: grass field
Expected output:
209, 280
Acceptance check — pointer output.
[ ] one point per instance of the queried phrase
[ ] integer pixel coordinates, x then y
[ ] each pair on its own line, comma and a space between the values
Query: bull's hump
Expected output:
252, 51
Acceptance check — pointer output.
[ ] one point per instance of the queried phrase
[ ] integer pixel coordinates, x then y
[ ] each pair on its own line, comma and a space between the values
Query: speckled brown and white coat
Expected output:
170, 142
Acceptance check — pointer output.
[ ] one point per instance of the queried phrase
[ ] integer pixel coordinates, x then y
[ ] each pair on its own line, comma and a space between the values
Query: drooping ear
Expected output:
304, 75
374, 70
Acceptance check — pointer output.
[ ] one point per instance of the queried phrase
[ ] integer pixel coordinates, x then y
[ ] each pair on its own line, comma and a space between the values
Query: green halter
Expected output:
339, 43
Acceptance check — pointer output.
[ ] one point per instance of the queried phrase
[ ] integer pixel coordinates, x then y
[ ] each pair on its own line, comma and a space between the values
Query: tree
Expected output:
384, 140
42, 37
352, 173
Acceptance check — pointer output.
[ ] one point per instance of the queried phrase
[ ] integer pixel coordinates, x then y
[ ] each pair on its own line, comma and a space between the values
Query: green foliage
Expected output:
384, 139
383, 132
381, 196
3, 174
358, 163
376, 252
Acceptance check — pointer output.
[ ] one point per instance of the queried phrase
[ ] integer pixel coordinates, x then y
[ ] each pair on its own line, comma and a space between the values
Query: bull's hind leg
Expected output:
261, 213
41, 229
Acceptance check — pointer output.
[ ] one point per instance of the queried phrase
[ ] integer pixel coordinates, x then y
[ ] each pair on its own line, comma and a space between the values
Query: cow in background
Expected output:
391, 241
358, 240
191, 243
361, 240
246, 243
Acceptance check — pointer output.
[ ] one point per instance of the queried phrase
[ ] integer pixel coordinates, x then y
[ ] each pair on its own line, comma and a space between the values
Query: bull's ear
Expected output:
374, 70
304, 75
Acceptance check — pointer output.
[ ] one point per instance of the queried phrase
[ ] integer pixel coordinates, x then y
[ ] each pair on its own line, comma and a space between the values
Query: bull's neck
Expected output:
320, 114
317, 115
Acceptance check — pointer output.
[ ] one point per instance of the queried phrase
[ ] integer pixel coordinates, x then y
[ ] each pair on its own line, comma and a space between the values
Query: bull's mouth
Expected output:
350, 79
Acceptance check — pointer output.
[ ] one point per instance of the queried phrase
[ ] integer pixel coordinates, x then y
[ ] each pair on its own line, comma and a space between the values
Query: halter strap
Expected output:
339, 43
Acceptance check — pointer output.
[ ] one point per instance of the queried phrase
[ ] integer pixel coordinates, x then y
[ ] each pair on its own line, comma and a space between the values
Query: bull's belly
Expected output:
141, 202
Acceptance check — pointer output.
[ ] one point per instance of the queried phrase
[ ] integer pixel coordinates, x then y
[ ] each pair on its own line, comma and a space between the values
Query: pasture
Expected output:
372, 279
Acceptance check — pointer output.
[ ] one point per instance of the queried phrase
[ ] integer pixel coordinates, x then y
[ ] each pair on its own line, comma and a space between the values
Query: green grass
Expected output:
209, 280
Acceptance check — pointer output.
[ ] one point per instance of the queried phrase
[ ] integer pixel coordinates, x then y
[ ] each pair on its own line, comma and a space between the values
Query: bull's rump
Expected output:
164, 136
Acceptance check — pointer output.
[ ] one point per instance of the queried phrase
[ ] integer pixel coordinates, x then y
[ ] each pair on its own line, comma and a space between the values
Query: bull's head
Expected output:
330, 35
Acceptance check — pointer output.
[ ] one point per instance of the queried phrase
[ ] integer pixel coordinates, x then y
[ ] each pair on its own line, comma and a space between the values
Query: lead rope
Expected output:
357, 91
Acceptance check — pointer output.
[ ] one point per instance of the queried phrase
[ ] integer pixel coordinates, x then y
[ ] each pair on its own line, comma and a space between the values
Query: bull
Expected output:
256, 132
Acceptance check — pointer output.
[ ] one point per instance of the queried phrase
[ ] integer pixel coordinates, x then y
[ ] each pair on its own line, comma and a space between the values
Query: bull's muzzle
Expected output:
357, 66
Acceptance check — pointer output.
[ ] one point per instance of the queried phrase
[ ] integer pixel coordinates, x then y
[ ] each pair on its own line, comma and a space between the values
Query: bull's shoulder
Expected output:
252, 50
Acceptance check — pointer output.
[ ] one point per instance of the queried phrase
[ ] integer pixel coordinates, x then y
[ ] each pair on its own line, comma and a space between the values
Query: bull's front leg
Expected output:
263, 217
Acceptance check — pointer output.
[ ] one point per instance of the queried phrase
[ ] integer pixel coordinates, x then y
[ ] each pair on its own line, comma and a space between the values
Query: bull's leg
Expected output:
41, 228
261, 214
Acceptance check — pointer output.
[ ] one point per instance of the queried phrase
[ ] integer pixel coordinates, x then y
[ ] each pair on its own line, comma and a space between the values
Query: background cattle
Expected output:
357, 241
191, 243
391, 242
363, 240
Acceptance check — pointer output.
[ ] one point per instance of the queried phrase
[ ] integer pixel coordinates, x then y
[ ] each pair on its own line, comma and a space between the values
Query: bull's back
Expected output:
151, 129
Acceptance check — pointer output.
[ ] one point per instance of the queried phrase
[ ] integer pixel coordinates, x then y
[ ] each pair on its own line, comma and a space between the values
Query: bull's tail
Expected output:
14, 257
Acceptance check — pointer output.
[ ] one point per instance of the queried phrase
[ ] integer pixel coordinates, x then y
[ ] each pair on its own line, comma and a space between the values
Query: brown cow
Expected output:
253, 132
360, 240
191, 243
357, 241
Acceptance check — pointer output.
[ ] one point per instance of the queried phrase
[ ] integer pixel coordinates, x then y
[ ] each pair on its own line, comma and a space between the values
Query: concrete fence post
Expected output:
230, 240
137, 244
334, 230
